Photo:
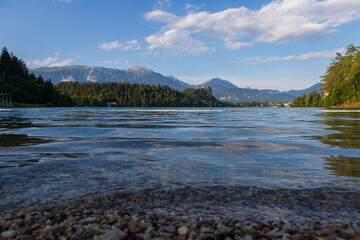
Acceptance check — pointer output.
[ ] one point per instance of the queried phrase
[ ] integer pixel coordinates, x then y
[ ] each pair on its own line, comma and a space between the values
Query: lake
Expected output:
59, 154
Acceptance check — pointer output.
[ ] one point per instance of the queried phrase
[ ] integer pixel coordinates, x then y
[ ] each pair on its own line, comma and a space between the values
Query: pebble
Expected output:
183, 231
9, 216
205, 236
8, 234
170, 229
201, 214
88, 220
114, 234
165, 235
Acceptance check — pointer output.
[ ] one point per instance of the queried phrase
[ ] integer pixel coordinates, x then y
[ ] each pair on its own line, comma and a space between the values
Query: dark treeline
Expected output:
253, 104
135, 95
23, 86
341, 83
313, 99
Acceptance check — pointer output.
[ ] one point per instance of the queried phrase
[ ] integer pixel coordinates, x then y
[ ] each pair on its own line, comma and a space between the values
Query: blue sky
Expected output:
279, 44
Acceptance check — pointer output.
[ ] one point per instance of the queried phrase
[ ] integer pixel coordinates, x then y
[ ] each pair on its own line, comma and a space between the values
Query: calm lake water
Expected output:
62, 153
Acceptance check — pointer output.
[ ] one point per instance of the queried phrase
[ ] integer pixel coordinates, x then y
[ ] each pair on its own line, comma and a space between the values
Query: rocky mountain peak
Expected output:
139, 69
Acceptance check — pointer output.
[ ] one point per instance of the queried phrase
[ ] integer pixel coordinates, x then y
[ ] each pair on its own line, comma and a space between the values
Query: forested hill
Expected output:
135, 95
23, 87
341, 83
342, 79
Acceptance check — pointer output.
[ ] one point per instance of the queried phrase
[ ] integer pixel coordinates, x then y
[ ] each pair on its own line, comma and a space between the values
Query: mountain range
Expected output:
222, 89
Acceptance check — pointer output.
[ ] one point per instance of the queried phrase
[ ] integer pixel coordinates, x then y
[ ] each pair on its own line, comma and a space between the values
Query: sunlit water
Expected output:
62, 153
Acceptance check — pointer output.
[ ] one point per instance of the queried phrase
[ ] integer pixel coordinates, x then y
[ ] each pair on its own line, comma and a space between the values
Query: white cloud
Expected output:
191, 8
126, 46
237, 45
161, 16
64, 1
38, 63
131, 45
110, 46
304, 56
279, 21
50, 61
61, 63
107, 62
162, 5
177, 42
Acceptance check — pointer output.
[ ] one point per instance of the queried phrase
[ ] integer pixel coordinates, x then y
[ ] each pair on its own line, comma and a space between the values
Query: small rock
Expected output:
14, 227
6, 225
248, 237
114, 234
24, 237
205, 236
165, 235
9, 216
349, 232
20, 222
183, 231
150, 230
192, 235
205, 230
170, 229
88, 220
146, 236
28, 219
297, 237
8, 234
111, 219
145, 225
286, 236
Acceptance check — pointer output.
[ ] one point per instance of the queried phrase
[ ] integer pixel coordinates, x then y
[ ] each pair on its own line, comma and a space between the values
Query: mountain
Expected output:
222, 89
217, 84
297, 93
251, 95
84, 74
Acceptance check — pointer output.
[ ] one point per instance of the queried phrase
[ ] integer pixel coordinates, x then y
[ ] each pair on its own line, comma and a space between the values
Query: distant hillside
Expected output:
297, 93
222, 89
251, 95
218, 84
84, 74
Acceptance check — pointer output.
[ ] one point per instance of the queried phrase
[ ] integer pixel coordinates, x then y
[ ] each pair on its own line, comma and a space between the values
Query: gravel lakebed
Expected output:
218, 212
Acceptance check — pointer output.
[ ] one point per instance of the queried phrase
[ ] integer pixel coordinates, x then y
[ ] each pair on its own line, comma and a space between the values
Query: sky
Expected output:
273, 44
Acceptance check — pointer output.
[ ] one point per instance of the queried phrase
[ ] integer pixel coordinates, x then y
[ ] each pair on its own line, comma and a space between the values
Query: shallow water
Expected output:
63, 153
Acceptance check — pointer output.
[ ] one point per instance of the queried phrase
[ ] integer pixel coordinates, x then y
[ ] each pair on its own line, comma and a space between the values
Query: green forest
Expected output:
135, 95
24, 87
341, 83
26, 90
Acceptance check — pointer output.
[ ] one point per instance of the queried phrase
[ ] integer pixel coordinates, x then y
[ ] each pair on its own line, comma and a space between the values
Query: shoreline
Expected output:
194, 213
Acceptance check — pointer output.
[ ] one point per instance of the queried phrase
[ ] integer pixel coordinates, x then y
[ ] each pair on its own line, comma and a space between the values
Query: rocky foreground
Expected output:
194, 213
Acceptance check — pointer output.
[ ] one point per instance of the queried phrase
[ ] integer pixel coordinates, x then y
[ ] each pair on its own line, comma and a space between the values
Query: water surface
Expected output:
62, 153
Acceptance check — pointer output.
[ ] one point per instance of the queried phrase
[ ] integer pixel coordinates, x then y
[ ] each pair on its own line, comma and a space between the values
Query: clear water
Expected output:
62, 153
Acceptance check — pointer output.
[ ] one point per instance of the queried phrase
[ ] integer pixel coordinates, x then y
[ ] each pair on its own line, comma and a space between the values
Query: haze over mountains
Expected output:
222, 89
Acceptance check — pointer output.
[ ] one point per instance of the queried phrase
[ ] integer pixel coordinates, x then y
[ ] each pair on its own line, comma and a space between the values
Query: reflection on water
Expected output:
344, 166
347, 129
60, 153
13, 140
